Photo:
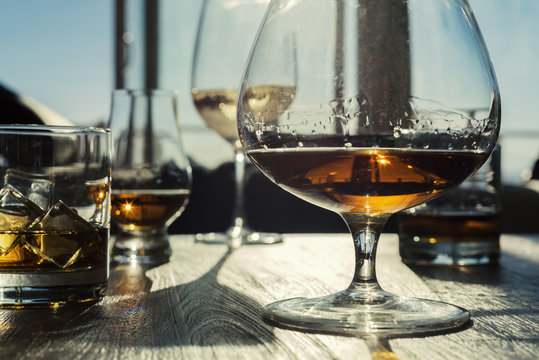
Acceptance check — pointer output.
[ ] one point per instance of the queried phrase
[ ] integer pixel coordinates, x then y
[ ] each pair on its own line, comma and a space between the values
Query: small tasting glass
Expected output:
151, 175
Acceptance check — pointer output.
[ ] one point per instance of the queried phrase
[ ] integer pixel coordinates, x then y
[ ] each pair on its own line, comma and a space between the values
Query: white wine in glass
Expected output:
225, 34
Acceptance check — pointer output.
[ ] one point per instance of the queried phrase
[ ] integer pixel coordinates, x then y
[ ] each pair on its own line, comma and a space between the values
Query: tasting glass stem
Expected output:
238, 210
366, 233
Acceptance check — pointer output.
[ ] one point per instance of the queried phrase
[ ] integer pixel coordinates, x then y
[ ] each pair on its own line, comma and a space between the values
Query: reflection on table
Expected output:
206, 303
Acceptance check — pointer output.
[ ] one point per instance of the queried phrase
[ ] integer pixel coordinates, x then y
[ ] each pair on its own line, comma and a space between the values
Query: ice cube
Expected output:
63, 234
36, 188
17, 213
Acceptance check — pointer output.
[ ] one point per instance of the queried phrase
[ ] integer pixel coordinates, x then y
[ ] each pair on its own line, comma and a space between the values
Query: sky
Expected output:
61, 53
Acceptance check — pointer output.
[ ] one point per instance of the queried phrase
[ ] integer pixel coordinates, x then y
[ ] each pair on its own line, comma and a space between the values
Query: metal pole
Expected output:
151, 40
120, 56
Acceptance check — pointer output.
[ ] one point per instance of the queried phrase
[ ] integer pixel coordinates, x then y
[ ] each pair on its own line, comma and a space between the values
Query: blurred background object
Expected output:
70, 55
225, 33
462, 227
20, 109
151, 175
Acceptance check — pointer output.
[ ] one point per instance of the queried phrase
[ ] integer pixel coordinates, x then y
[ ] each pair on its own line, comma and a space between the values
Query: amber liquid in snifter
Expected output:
145, 210
366, 180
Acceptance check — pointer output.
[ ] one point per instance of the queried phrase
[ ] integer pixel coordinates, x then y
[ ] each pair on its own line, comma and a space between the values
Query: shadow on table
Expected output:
507, 289
510, 269
198, 313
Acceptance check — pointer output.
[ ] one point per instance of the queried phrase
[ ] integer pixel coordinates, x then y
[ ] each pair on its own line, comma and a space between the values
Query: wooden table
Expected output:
206, 303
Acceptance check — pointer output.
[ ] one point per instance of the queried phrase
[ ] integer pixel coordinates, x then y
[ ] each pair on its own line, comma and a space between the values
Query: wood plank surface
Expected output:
206, 303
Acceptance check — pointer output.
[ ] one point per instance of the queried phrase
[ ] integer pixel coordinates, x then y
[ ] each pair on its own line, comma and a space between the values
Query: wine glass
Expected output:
151, 173
379, 123
225, 33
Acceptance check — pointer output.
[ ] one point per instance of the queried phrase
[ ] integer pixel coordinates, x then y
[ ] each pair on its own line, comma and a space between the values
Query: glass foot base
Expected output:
347, 313
236, 237
461, 253
17, 297
150, 250
140, 257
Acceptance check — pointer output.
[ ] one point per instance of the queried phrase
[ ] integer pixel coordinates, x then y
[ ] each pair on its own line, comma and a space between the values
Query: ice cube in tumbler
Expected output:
36, 188
63, 235
17, 213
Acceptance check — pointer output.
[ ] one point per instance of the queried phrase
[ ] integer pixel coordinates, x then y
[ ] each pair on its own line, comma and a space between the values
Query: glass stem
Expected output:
366, 233
239, 179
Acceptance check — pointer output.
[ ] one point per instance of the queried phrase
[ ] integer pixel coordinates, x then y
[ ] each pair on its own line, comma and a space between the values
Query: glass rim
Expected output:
38, 129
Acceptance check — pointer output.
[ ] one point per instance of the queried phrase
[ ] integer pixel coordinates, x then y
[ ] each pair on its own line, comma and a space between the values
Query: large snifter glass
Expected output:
396, 102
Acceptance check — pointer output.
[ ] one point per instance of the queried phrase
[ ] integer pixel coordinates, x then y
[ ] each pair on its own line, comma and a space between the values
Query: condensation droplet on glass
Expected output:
355, 106
397, 132
300, 144
313, 132
426, 146
348, 145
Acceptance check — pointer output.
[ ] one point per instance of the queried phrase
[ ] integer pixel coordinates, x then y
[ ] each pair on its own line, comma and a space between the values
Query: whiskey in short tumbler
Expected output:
54, 214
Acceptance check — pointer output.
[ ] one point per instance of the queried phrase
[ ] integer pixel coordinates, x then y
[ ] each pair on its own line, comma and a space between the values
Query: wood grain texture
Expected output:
206, 303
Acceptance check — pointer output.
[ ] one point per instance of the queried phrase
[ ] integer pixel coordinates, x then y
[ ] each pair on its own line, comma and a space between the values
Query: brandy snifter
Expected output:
379, 123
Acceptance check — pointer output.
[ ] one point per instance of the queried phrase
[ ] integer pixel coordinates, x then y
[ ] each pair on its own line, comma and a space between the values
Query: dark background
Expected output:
269, 208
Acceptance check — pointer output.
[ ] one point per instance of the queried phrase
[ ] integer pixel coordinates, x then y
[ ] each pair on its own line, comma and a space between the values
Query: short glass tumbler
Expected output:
54, 214
462, 227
